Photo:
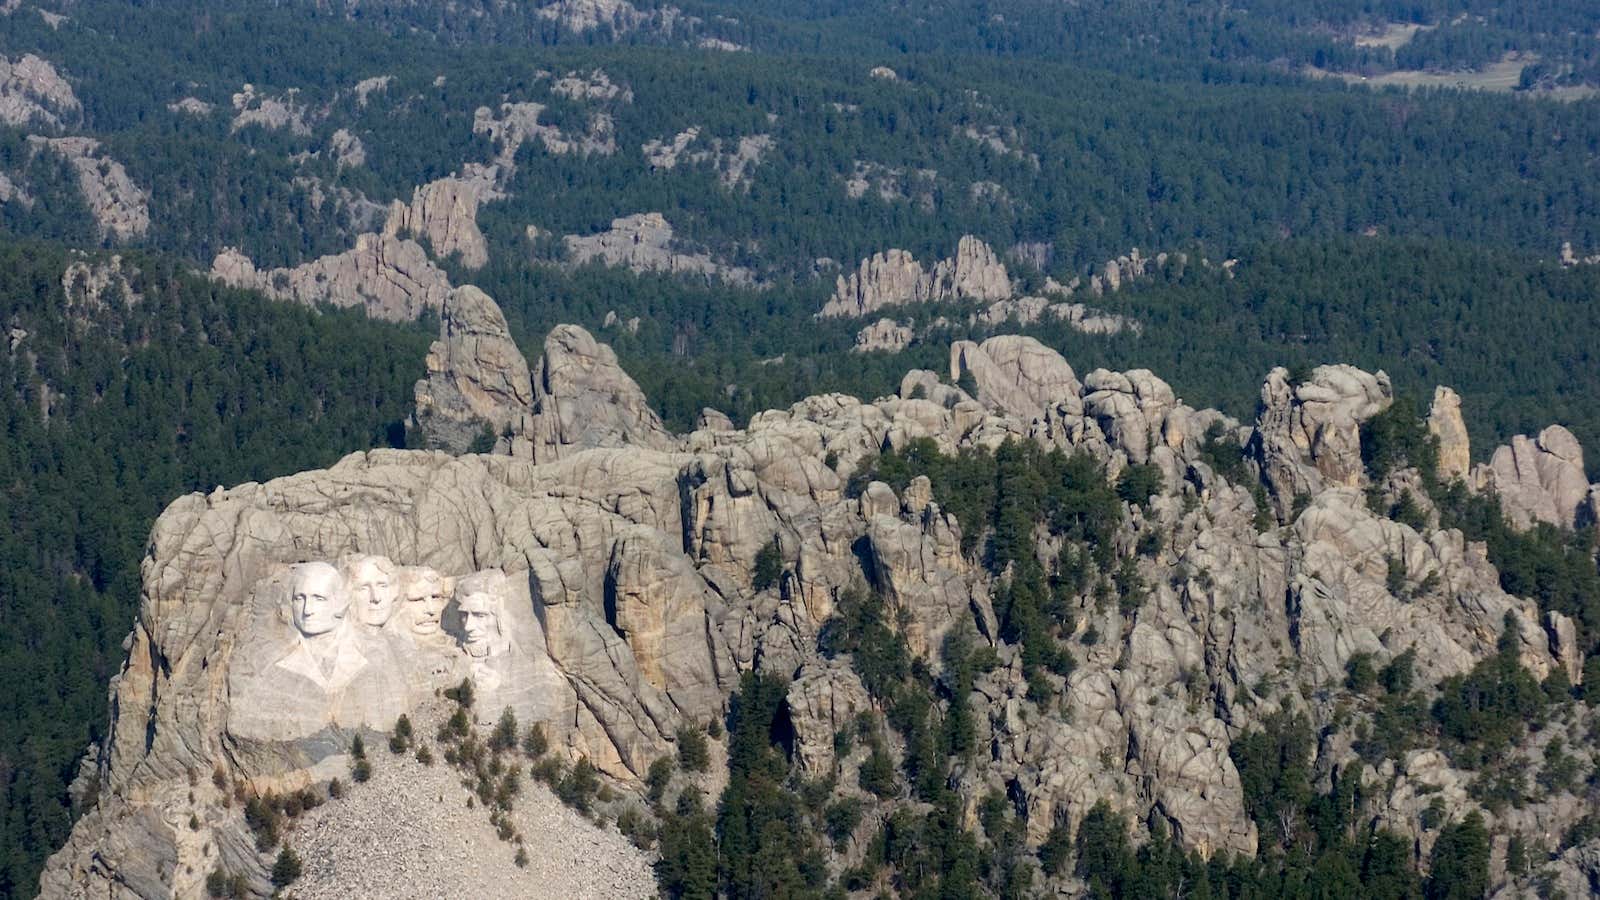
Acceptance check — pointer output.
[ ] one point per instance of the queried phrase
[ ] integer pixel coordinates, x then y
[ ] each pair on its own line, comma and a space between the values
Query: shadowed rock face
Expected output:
600, 578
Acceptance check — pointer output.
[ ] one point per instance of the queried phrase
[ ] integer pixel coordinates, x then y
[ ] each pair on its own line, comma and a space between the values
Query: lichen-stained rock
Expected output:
583, 399
1539, 479
120, 207
616, 564
1446, 425
390, 277
477, 379
824, 699
32, 92
1308, 435
1016, 375
894, 277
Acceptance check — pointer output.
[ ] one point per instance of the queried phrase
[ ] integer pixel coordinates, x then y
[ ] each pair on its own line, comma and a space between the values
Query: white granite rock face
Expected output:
1540, 479
1447, 426
895, 278
1309, 435
596, 574
390, 277
644, 242
32, 92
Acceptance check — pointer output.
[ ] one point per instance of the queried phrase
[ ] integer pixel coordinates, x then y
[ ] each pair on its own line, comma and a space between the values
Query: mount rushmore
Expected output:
597, 574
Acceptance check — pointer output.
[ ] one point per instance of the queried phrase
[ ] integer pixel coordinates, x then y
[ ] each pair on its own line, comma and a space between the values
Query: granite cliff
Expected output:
623, 561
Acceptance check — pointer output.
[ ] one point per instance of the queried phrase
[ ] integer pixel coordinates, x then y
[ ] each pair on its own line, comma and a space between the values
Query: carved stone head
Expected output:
426, 593
374, 583
318, 600
481, 600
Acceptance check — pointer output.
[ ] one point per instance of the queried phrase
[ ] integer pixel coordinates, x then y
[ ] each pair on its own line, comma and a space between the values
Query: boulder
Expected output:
1539, 479
476, 379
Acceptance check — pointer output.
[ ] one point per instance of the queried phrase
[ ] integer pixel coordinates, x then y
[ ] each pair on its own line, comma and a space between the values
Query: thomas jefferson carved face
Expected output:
374, 588
317, 598
426, 593
480, 599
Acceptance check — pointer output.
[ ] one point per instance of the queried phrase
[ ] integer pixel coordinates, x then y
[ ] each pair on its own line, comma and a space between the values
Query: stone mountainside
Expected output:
976, 273
631, 554
644, 242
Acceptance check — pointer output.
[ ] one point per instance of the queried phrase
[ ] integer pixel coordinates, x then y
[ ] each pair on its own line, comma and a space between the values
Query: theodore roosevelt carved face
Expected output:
426, 593
317, 598
374, 587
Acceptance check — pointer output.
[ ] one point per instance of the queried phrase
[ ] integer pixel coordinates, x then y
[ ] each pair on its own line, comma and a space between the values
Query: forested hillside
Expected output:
162, 385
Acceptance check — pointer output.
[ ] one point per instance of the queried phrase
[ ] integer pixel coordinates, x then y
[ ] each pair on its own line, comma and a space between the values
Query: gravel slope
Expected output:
409, 833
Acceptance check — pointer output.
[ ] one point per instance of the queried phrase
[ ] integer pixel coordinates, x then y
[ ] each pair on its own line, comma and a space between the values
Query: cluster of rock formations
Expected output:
622, 560
1570, 259
121, 208
644, 242
891, 183
390, 277
251, 107
731, 165
32, 92
389, 273
896, 278
620, 16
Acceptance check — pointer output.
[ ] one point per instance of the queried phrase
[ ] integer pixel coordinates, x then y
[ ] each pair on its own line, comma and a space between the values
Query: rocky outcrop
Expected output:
644, 242
1448, 428
594, 86
121, 208
1308, 435
192, 106
389, 277
285, 113
1077, 316
516, 123
445, 212
1015, 374
626, 557
583, 399
619, 16
884, 335
1570, 259
892, 183
732, 165
477, 380
347, 149
1540, 479
33, 93
92, 286
895, 278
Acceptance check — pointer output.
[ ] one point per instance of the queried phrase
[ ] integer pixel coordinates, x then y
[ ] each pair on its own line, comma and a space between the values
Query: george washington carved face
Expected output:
317, 598
374, 587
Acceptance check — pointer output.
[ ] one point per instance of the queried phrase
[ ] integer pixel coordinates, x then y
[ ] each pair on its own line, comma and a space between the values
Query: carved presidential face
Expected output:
426, 593
374, 588
317, 599
480, 623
